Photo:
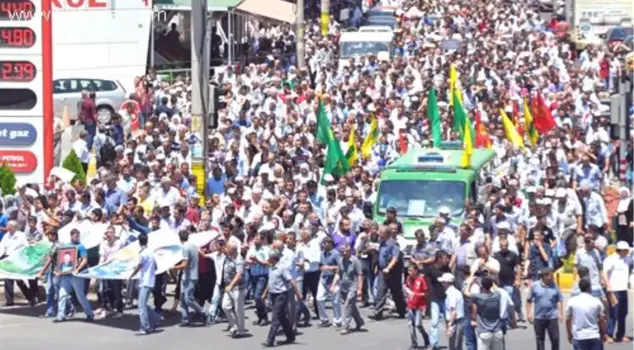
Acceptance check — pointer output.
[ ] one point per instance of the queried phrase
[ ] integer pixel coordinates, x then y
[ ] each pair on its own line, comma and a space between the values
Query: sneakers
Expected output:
324, 324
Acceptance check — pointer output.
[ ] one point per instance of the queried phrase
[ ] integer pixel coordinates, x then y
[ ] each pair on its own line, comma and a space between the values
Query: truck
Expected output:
424, 180
591, 19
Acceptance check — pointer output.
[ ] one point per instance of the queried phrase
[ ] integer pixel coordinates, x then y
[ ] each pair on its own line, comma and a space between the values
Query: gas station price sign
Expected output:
26, 89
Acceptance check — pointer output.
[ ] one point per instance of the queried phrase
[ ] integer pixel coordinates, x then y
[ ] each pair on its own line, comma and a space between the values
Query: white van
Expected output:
375, 29
358, 44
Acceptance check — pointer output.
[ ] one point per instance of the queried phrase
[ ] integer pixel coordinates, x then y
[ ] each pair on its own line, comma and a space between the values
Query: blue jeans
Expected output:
470, 338
68, 284
147, 316
52, 292
258, 285
415, 324
618, 316
587, 344
91, 129
323, 292
375, 287
437, 311
517, 300
368, 284
214, 307
188, 301
301, 305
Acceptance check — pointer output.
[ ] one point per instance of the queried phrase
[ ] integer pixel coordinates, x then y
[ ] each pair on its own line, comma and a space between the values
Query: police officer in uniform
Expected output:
350, 274
280, 280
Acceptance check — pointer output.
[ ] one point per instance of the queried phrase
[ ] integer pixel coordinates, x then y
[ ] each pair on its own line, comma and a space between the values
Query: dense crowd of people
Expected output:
294, 238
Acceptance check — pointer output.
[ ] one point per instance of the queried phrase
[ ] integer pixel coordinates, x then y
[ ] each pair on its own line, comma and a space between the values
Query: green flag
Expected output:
336, 162
323, 125
434, 117
459, 116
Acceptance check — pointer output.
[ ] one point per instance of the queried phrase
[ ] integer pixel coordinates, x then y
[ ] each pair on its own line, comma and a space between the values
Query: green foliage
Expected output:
569, 264
7, 180
73, 163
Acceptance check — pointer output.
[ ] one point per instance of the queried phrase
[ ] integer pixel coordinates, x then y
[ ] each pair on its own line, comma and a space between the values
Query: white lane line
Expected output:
15, 325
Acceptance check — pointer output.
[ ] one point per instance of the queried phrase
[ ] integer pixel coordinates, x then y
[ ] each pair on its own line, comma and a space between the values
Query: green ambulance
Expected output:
424, 180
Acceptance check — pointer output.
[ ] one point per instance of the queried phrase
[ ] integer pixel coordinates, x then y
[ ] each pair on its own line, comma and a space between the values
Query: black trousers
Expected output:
311, 283
159, 291
205, 287
279, 318
112, 299
392, 283
543, 326
177, 291
29, 291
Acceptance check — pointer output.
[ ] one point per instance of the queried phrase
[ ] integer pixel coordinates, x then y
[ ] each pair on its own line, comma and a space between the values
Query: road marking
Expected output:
15, 325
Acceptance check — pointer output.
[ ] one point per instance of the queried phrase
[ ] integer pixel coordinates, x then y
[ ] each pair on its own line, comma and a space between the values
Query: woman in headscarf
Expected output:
625, 217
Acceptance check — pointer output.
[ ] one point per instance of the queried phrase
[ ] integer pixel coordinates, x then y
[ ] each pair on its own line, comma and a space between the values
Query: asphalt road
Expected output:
20, 328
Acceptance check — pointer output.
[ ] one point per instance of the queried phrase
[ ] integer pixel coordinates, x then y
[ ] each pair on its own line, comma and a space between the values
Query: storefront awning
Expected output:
186, 5
278, 10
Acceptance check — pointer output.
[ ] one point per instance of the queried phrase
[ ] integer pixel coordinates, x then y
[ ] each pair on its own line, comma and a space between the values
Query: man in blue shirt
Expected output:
147, 266
114, 196
4, 220
216, 183
389, 275
544, 308
329, 264
69, 282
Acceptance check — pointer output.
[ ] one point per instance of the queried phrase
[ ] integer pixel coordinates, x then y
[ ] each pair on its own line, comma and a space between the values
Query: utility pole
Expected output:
299, 34
201, 46
622, 102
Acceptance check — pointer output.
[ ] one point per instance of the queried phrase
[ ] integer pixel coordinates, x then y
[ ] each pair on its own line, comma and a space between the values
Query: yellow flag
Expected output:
351, 154
325, 22
533, 136
465, 160
371, 139
454, 85
511, 133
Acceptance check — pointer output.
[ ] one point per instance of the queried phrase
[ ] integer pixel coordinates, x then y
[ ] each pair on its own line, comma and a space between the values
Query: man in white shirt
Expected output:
310, 248
485, 262
80, 146
618, 267
110, 290
147, 266
585, 318
11, 243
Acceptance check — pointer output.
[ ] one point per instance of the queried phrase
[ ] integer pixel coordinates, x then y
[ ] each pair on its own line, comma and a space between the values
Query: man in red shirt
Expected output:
88, 115
415, 289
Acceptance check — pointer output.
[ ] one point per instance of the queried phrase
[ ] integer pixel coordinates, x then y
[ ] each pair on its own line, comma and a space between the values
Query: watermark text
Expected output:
157, 15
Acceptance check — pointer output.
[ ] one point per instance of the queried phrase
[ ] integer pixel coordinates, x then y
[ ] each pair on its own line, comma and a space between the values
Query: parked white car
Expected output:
67, 91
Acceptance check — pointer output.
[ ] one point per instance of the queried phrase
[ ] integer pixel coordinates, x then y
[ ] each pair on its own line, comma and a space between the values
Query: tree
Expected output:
7, 180
72, 163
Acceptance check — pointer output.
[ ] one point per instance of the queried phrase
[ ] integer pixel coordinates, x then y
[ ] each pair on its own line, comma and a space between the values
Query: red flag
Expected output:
482, 139
542, 118
402, 143
516, 119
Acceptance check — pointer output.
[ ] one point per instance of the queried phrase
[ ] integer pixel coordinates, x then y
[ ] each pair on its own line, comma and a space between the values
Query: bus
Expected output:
424, 180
